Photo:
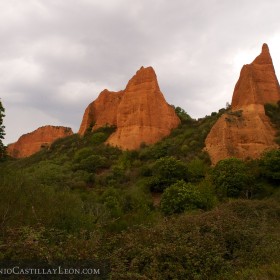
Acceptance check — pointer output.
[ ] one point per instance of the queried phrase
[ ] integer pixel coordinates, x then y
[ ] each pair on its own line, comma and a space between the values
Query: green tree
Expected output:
197, 169
270, 165
180, 197
2, 131
183, 115
232, 178
167, 171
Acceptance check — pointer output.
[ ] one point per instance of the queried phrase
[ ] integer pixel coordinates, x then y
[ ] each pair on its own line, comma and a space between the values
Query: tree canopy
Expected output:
231, 178
2, 131
270, 163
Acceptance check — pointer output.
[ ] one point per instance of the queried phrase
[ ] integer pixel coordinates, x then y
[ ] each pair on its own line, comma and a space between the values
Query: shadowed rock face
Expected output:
246, 132
139, 112
32, 142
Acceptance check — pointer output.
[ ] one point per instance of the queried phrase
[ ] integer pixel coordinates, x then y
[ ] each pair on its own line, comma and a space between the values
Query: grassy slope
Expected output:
93, 201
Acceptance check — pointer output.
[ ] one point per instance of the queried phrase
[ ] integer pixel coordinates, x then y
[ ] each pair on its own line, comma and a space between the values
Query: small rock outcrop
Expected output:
32, 142
245, 131
140, 112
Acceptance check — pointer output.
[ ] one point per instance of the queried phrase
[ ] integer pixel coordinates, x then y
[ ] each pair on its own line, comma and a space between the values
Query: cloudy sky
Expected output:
57, 55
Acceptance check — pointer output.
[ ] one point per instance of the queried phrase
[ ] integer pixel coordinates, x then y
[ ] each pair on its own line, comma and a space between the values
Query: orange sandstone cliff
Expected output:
245, 131
32, 142
140, 112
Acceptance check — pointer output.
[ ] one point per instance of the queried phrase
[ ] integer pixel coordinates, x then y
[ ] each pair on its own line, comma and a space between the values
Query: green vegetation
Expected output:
231, 178
272, 110
270, 164
82, 199
165, 172
180, 197
2, 131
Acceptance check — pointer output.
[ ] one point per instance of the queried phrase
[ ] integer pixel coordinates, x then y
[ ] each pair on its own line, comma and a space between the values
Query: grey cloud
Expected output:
56, 55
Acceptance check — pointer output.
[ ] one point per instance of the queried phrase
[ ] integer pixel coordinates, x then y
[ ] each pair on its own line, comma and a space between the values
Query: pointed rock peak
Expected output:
146, 71
104, 92
143, 76
257, 83
264, 57
265, 48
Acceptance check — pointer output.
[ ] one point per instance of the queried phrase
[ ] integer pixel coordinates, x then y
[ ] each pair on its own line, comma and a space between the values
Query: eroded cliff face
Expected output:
245, 131
140, 112
32, 142
102, 111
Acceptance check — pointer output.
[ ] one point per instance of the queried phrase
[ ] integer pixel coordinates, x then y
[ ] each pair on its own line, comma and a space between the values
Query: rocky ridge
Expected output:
34, 141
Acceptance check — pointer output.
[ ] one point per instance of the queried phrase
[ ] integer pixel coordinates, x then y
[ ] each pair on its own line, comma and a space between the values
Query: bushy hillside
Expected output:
161, 212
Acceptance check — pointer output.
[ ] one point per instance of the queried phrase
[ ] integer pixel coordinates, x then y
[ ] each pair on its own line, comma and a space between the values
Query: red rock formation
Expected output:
246, 132
102, 111
32, 142
257, 83
140, 112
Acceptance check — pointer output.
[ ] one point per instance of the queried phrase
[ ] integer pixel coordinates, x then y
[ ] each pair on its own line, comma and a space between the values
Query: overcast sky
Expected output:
56, 56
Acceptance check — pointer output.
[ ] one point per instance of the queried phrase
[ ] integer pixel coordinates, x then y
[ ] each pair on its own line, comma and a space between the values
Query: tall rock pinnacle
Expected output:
246, 131
257, 83
139, 112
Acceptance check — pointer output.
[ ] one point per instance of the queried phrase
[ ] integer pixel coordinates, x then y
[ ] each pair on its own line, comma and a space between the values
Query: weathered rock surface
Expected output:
245, 131
139, 112
32, 142
102, 111
257, 83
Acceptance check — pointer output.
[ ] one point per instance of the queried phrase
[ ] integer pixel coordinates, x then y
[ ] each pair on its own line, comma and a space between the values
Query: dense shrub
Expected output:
270, 165
197, 169
167, 171
232, 178
180, 197
272, 110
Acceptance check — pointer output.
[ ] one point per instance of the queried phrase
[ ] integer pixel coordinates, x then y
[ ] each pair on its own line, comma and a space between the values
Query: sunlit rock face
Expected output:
32, 142
140, 112
245, 131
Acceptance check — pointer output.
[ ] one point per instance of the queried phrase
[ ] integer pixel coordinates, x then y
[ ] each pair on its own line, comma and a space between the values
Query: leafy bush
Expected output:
91, 163
211, 245
197, 170
180, 197
232, 178
98, 138
166, 171
182, 114
270, 165
272, 110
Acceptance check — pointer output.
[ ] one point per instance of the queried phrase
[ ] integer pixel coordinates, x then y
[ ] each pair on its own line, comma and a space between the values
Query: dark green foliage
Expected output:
185, 142
2, 131
225, 243
87, 161
208, 196
207, 246
235, 113
81, 198
232, 178
197, 169
167, 171
182, 114
24, 203
272, 110
270, 165
180, 197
